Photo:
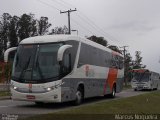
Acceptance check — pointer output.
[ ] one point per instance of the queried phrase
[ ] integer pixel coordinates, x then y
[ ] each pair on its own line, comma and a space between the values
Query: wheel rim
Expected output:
113, 92
78, 97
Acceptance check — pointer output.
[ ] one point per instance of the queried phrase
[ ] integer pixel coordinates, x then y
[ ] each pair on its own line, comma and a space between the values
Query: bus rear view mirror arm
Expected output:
6, 53
61, 52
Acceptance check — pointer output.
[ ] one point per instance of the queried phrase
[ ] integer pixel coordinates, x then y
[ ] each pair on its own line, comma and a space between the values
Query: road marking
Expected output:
7, 106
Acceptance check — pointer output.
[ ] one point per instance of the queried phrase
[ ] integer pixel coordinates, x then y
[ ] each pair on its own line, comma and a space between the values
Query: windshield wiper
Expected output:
25, 69
39, 69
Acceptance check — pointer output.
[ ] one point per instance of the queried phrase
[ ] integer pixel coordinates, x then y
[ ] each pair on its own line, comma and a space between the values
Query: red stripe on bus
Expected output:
112, 76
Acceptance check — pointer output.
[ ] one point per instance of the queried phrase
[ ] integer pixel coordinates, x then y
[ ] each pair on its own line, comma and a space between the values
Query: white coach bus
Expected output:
61, 68
145, 79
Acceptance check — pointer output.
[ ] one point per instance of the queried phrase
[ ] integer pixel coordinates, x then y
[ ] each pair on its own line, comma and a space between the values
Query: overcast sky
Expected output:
135, 23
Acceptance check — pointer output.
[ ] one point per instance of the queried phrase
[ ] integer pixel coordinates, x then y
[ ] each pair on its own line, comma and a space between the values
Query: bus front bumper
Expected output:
47, 97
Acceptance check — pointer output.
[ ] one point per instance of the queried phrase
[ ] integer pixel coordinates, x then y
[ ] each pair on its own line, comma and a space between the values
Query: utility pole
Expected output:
124, 51
68, 11
125, 70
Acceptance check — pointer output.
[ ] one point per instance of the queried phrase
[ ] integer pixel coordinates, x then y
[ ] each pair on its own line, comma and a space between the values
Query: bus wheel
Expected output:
157, 87
151, 88
113, 91
79, 97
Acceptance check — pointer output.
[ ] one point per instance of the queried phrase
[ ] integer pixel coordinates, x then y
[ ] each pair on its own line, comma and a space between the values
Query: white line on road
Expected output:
7, 106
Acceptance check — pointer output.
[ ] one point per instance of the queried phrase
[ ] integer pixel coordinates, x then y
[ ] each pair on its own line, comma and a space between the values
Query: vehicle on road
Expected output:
61, 68
145, 79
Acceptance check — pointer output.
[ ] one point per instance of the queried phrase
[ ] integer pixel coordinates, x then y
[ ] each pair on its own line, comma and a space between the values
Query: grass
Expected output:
4, 93
148, 103
127, 87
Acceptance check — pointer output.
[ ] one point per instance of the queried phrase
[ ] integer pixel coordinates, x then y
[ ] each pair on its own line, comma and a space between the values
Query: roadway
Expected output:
23, 108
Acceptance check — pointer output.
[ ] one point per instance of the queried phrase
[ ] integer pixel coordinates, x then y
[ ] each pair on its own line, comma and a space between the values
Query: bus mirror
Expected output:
6, 53
61, 52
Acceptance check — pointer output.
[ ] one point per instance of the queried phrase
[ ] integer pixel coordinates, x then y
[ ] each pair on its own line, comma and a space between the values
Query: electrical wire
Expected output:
84, 18
91, 23
48, 5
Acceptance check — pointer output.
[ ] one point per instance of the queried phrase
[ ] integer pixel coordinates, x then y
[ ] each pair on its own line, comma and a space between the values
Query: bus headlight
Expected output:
15, 88
54, 87
49, 89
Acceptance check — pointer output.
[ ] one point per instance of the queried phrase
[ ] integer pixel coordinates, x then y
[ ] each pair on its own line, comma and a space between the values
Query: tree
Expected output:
1, 42
13, 31
5, 23
114, 48
138, 60
43, 25
60, 30
27, 26
128, 67
99, 40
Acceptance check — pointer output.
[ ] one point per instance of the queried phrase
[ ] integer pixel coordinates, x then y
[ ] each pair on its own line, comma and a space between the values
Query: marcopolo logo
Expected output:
30, 87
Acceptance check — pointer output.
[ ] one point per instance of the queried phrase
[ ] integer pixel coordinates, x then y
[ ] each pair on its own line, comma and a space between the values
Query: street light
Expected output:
75, 31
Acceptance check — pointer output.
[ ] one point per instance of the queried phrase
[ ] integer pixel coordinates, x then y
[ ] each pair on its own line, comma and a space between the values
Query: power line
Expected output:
67, 3
48, 5
98, 29
84, 18
91, 23
69, 25
82, 26
71, 5
64, 5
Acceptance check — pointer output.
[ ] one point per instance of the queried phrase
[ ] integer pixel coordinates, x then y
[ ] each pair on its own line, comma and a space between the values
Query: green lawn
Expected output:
148, 103
4, 93
127, 87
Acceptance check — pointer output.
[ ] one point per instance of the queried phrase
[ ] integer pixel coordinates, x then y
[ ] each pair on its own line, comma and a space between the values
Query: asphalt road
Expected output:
29, 108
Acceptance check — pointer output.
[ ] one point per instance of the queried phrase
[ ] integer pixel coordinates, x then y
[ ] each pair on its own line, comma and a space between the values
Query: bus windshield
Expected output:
36, 63
141, 77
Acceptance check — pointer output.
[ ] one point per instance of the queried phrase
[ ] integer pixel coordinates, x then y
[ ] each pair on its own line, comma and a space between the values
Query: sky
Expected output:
132, 23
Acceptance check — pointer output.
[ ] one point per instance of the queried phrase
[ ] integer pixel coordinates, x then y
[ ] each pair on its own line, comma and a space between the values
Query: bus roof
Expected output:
61, 38
48, 39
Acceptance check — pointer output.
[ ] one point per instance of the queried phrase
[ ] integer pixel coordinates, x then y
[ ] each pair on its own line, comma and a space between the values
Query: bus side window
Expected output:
11, 56
114, 62
120, 62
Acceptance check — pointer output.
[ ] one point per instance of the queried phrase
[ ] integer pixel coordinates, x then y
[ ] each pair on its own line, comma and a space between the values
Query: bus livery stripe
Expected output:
112, 76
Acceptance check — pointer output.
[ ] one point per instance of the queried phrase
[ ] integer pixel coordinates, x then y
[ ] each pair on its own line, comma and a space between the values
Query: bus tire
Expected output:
157, 87
151, 88
135, 89
112, 95
79, 96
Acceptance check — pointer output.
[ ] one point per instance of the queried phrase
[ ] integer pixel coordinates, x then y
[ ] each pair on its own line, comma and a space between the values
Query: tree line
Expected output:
13, 29
129, 62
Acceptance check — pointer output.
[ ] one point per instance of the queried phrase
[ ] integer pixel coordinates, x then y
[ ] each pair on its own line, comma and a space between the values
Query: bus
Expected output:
61, 68
145, 79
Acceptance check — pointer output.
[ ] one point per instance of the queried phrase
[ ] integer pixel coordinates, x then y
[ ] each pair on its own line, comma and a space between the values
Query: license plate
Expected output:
30, 97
